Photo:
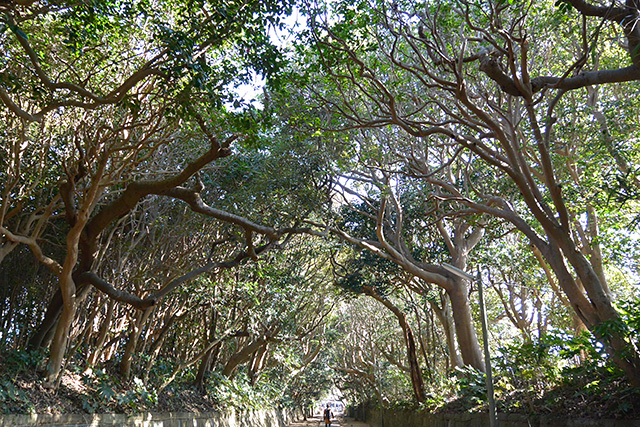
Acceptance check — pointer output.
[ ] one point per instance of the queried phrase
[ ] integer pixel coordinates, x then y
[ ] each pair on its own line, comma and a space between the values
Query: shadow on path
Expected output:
337, 422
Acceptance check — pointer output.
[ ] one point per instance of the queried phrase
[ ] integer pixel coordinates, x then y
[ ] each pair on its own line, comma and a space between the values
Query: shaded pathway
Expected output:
338, 422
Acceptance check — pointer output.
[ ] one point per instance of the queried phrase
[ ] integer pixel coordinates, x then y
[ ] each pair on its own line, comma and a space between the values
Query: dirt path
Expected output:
339, 422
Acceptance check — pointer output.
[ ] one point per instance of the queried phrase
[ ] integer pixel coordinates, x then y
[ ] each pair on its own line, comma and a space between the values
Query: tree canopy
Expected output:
159, 228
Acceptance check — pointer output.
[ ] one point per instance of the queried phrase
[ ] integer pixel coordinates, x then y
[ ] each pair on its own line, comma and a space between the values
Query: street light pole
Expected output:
493, 420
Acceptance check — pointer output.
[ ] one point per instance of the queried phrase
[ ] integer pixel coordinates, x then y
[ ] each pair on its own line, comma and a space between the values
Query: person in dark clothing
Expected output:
327, 416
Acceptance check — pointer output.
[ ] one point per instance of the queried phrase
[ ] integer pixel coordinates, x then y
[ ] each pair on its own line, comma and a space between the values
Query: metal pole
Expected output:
381, 405
493, 421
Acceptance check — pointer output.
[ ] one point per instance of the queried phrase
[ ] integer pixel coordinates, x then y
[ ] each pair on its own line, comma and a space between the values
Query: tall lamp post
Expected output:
493, 420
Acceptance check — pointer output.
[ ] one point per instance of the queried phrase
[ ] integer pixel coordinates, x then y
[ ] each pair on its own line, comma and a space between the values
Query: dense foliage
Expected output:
167, 243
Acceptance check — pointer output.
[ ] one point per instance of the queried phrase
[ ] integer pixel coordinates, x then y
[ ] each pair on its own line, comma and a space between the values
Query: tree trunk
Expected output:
156, 346
68, 290
423, 349
551, 278
98, 346
208, 360
58, 346
136, 329
212, 354
414, 368
48, 323
466, 332
448, 327
242, 356
257, 364
594, 308
83, 335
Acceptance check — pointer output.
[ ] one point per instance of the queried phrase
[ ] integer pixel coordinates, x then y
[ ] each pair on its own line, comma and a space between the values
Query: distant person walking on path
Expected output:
327, 416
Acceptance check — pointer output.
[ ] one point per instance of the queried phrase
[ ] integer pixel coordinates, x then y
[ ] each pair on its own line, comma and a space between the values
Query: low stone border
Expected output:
396, 418
271, 418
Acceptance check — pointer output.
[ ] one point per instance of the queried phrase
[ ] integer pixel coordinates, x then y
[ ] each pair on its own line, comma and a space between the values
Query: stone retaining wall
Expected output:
398, 418
271, 418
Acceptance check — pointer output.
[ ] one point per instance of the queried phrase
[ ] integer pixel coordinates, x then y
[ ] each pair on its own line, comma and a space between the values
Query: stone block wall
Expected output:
272, 418
401, 418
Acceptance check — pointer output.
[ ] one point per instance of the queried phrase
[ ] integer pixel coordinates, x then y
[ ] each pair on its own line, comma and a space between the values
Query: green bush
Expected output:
13, 398
13, 364
17, 362
472, 385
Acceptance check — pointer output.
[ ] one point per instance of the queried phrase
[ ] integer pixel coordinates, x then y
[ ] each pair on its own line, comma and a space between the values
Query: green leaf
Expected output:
106, 392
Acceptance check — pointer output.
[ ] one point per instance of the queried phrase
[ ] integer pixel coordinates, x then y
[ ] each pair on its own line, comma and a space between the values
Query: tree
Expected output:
364, 279
114, 118
387, 220
489, 95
